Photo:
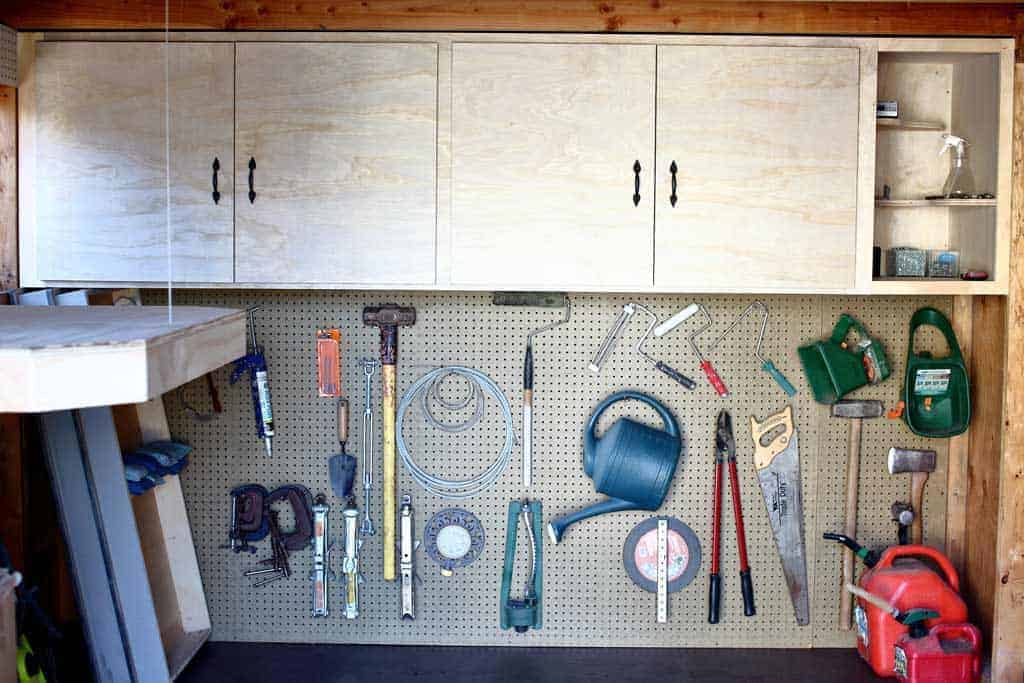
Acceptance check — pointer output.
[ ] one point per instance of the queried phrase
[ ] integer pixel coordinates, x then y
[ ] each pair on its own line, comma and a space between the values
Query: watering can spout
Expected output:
557, 527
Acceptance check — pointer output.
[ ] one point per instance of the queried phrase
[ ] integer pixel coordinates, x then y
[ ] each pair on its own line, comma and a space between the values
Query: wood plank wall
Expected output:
991, 471
657, 16
1008, 579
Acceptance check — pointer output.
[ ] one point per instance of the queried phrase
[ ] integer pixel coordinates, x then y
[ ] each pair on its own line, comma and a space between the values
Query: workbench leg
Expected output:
103, 542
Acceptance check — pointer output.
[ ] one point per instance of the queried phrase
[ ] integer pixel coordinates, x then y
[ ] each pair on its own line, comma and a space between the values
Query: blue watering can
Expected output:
632, 463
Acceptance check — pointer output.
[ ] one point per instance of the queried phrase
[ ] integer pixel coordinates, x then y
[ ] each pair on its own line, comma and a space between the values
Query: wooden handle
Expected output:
343, 420
388, 466
852, 479
917, 482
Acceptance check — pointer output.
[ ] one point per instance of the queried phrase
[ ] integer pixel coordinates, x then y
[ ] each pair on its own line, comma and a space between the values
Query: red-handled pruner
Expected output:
725, 452
705, 364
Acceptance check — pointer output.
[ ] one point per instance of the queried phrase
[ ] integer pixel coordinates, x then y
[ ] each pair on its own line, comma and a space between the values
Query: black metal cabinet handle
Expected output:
636, 183
673, 169
216, 193
252, 167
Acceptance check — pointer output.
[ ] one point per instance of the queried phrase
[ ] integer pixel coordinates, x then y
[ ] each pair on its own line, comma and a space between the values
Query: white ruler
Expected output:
662, 571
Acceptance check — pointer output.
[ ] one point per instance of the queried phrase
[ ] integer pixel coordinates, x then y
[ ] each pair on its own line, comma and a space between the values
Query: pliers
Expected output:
725, 451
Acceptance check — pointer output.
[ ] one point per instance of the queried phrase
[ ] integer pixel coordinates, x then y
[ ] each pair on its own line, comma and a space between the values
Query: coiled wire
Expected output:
448, 488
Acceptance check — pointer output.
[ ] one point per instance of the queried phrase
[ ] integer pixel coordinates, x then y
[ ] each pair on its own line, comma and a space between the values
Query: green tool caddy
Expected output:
936, 390
834, 368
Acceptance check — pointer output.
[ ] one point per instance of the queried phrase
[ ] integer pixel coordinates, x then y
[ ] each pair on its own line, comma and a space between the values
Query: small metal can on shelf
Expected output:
943, 263
906, 262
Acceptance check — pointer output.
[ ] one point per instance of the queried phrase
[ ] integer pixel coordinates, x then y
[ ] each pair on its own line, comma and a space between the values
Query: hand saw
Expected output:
778, 470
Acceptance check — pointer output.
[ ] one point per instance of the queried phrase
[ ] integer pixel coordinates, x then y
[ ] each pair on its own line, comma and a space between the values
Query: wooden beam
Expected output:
959, 448
986, 369
8, 187
659, 16
12, 495
1008, 618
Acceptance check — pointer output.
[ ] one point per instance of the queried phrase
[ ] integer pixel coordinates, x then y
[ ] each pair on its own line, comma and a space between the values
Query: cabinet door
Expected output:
544, 142
343, 137
765, 140
101, 181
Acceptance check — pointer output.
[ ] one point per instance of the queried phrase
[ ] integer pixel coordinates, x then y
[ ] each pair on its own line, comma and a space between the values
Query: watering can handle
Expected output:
668, 420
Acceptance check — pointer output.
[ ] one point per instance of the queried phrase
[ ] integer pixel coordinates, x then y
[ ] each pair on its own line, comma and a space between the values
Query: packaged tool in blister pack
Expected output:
328, 363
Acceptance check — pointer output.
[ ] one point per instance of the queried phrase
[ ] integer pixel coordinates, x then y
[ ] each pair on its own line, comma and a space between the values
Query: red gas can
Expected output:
901, 579
950, 653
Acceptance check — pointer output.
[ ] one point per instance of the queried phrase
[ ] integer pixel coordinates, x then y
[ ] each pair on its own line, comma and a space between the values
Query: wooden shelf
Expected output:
913, 203
66, 357
897, 124
934, 286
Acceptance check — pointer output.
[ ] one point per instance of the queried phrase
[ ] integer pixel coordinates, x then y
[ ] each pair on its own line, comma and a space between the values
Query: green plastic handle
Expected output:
842, 328
934, 318
779, 378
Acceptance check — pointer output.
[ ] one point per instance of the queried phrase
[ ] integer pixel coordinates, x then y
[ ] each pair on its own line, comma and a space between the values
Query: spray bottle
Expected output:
959, 181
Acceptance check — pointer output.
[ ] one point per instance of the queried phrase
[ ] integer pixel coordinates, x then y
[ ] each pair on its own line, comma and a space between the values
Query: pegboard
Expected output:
588, 599
8, 56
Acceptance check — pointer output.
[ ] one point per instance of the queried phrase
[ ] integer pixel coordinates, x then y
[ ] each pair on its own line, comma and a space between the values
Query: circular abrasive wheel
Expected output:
453, 538
640, 554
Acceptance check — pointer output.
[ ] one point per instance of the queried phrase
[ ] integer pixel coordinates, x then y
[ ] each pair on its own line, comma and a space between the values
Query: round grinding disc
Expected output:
640, 554
453, 538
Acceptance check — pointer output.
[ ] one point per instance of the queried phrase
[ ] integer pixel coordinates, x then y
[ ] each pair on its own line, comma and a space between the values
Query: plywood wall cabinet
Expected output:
472, 162
343, 140
100, 195
965, 88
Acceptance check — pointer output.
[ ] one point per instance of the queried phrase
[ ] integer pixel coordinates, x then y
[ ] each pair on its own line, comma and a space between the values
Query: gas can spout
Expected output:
869, 557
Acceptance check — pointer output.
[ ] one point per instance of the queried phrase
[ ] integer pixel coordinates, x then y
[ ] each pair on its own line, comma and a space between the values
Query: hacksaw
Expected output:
778, 471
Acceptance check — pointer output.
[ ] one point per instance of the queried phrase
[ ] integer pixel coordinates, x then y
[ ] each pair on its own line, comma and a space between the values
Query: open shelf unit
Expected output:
966, 94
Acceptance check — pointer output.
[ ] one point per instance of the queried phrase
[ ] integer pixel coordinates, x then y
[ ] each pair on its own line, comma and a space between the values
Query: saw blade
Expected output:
778, 472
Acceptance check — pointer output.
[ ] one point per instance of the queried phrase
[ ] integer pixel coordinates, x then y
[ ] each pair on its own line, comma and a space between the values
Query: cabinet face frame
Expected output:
868, 47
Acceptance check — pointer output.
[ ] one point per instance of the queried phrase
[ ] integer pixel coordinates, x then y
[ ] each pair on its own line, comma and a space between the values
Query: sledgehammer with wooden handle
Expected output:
919, 463
856, 412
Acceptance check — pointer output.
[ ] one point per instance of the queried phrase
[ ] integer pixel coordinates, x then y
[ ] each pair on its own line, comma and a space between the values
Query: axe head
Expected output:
389, 315
902, 460
857, 410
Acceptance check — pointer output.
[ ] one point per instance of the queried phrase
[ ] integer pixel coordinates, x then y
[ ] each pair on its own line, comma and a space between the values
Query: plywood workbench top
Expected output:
63, 357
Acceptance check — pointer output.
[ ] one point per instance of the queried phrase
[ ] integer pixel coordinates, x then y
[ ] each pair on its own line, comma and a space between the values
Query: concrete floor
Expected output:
253, 662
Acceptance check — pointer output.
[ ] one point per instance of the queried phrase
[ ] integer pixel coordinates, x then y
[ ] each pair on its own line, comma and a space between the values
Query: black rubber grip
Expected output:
714, 598
747, 586
528, 369
676, 375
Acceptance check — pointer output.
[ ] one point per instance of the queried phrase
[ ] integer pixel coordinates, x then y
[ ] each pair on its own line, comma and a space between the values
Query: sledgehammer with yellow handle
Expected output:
388, 318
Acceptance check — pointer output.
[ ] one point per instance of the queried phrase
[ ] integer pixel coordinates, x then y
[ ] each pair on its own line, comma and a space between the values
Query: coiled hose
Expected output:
448, 488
